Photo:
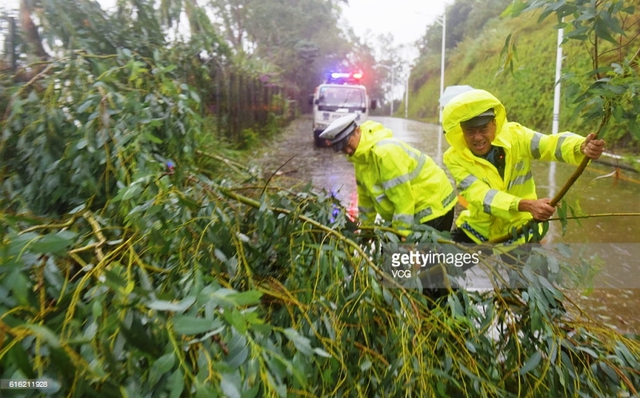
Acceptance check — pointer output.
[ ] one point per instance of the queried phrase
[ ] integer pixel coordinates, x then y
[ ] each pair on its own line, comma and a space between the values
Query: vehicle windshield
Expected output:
342, 97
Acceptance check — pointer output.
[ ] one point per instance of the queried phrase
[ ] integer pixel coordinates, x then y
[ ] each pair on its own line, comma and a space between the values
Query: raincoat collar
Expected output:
370, 134
465, 106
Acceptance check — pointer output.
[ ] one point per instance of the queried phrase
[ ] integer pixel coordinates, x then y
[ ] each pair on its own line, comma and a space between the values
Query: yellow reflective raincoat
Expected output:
493, 201
395, 180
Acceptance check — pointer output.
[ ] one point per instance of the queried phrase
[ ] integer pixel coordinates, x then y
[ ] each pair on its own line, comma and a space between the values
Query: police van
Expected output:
339, 95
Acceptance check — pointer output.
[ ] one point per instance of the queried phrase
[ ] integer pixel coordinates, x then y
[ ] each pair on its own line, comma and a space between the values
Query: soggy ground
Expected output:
613, 242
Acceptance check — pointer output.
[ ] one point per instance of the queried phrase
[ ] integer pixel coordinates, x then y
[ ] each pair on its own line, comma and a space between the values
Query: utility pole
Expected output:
392, 70
406, 98
555, 124
556, 93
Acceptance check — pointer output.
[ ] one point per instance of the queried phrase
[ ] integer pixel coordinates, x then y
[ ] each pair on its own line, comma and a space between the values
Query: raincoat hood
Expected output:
466, 106
370, 133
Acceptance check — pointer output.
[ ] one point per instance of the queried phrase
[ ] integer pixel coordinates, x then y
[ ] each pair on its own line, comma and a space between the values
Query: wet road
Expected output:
613, 242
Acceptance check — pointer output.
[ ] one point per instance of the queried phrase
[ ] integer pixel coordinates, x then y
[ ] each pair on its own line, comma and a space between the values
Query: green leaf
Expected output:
181, 306
152, 138
193, 325
321, 352
16, 282
56, 243
45, 334
236, 319
302, 343
231, 386
366, 364
238, 350
132, 191
456, 307
610, 372
228, 298
18, 357
588, 351
545, 283
176, 384
161, 366
470, 347
531, 363
83, 108
220, 255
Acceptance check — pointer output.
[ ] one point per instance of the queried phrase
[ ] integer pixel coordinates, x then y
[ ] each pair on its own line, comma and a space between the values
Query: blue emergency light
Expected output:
345, 77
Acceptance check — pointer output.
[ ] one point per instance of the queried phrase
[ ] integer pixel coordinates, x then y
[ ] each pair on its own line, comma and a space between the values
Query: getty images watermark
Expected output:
571, 266
403, 263
408, 264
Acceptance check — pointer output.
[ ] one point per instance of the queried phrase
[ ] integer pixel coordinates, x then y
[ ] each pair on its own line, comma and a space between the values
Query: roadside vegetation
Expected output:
140, 258
512, 54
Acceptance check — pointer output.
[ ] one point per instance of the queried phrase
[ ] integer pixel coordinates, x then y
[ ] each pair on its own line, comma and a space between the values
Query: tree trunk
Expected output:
31, 32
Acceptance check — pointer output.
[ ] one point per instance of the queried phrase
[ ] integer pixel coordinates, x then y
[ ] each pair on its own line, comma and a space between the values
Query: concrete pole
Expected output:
406, 99
392, 87
551, 234
556, 94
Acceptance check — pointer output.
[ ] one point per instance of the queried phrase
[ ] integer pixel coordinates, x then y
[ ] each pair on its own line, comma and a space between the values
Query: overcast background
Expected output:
406, 20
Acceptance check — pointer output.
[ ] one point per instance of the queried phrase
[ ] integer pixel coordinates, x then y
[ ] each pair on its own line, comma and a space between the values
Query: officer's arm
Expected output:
479, 194
564, 147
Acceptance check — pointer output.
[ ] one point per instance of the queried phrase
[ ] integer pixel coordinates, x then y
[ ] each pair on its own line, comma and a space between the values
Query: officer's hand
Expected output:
540, 208
591, 147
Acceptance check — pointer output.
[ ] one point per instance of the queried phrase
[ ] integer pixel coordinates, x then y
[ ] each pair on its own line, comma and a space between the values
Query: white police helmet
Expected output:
340, 128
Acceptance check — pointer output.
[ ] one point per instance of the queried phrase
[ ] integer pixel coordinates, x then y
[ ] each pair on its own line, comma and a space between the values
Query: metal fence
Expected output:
239, 102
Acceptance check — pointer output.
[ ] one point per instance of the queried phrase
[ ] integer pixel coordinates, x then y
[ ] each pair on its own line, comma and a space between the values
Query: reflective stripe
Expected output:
519, 166
424, 213
388, 142
558, 153
475, 233
535, 145
488, 198
406, 177
413, 154
520, 180
404, 218
466, 183
447, 201
380, 198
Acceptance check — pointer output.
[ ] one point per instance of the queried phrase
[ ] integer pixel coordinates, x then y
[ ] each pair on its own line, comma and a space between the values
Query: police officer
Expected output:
490, 159
394, 180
